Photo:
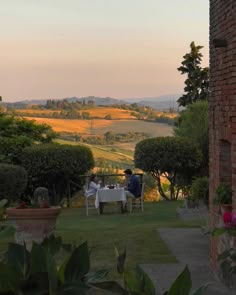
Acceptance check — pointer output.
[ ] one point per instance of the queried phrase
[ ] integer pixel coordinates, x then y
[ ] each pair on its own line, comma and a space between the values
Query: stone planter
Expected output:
33, 224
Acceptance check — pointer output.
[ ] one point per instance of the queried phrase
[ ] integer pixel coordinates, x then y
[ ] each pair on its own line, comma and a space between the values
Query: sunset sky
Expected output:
115, 48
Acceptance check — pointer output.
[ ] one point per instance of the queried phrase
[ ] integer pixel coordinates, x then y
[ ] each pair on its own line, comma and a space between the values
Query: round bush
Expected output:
200, 189
53, 165
13, 181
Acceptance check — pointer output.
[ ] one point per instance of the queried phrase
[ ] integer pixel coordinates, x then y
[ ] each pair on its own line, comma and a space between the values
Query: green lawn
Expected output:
137, 231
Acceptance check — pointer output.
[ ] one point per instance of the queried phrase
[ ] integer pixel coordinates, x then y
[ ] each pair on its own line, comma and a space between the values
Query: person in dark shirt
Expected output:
133, 189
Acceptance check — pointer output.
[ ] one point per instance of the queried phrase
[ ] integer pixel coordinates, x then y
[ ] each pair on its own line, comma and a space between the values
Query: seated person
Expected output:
93, 185
133, 189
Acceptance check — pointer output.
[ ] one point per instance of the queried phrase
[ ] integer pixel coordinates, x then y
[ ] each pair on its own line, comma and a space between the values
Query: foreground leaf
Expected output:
97, 276
112, 287
7, 232
182, 285
78, 264
201, 290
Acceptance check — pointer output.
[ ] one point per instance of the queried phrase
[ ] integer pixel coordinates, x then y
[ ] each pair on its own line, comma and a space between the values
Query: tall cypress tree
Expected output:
197, 83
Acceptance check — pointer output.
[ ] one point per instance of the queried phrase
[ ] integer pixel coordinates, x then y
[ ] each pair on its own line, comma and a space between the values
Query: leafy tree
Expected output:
171, 158
109, 137
16, 133
193, 124
197, 83
11, 127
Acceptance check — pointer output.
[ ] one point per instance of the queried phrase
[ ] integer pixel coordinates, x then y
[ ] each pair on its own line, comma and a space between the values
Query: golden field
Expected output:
98, 112
99, 126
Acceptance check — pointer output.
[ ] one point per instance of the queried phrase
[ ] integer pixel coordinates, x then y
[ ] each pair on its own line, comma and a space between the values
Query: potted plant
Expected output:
36, 221
224, 196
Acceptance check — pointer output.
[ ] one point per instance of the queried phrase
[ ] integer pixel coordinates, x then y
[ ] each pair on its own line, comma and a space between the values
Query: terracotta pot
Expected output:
33, 224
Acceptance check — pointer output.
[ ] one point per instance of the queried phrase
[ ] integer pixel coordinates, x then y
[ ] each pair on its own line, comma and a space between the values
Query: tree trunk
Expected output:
163, 195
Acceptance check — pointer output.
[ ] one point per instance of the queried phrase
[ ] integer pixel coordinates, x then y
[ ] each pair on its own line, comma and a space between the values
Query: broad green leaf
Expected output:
133, 281
112, 287
121, 261
116, 251
73, 288
35, 284
182, 285
53, 244
78, 265
224, 255
61, 268
3, 203
67, 247
52, 273
232, 232
7, 232
201, 290
218, 232
148, 285
97, 276
38, 259
226, 268
18, 256
9, 278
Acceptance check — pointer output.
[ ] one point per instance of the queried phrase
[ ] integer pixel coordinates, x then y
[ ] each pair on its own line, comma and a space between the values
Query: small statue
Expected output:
41, 197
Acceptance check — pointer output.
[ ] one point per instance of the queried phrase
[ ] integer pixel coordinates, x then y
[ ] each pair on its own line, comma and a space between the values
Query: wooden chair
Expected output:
137, 202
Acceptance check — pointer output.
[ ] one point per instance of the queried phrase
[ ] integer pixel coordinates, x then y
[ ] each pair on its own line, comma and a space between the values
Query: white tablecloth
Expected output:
110, 195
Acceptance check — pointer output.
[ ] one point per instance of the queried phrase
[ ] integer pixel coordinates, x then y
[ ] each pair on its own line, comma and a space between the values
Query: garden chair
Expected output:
89, 202
137, 202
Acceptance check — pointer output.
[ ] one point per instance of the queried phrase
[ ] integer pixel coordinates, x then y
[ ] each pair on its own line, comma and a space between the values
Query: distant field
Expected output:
114, 155
99, 127
98, 112
36, 112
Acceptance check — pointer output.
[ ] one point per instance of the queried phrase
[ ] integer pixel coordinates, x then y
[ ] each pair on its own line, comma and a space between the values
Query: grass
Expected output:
136, 231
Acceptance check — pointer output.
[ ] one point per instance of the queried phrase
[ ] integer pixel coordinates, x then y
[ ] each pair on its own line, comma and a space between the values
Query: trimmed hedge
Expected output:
53, 165
13, 181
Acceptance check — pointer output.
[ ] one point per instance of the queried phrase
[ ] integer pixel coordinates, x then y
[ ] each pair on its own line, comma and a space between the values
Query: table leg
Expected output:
101, 206
123, 207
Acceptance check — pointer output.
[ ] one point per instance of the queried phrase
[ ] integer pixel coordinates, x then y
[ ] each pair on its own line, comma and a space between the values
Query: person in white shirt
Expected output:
93, 185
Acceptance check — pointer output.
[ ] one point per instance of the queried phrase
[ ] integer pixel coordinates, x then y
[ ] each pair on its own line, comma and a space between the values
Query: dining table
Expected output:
106, 195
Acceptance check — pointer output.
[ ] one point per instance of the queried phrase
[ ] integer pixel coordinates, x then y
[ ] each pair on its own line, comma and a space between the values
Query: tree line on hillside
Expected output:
108, 138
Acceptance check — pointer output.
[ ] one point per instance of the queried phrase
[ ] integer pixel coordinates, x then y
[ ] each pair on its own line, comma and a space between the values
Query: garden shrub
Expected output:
53, 165
200, 189
169, 158
13, 181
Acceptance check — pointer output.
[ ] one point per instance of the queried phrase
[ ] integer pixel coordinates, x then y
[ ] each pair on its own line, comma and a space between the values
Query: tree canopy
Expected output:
16, 133
197, 82
170, 157
193, 124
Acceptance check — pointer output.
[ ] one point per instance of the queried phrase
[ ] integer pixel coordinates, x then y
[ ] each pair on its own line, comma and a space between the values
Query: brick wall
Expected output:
222, 106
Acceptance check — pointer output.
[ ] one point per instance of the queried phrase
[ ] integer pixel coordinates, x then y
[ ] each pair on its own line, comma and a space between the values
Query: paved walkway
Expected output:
190, 246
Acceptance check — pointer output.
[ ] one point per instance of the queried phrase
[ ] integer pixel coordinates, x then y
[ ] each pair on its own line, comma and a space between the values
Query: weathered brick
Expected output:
222, 105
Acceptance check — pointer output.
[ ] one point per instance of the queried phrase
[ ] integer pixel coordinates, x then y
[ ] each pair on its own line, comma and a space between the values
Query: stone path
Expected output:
190, 246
